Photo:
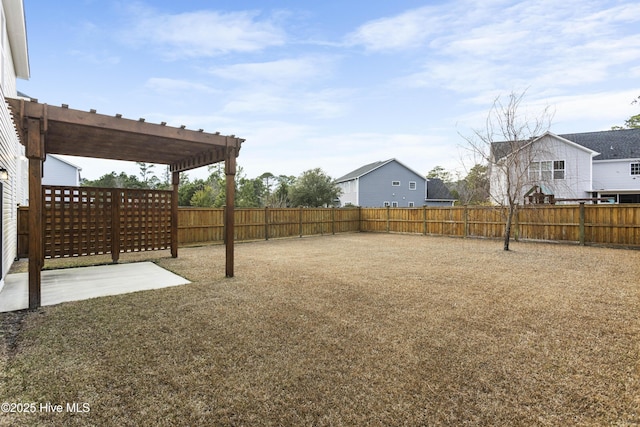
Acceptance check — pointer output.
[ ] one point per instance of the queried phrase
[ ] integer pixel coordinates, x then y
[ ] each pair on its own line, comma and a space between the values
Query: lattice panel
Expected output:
82, 221
145, 220
77, 221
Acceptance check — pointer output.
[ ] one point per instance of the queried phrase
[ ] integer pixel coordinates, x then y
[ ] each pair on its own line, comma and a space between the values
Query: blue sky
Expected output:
335, 84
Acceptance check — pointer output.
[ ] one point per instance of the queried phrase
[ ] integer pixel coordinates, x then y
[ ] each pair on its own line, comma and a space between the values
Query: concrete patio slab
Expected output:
74, 284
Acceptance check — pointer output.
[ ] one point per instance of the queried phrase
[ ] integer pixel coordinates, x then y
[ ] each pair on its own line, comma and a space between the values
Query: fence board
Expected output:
613, 224
200, 225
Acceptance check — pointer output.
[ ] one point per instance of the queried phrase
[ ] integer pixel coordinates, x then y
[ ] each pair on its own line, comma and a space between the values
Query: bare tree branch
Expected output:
506, 145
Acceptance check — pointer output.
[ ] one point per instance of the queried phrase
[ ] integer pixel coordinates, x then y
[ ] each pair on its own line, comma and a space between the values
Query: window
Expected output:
635, 168
546, 170
394, 204
386, 204
629, 198
534, 171
411, 204
558, 169
395, 183
412, 185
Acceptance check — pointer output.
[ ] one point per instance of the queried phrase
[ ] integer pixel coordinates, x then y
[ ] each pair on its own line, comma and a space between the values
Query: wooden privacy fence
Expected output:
584, 224
203, 225
81, 221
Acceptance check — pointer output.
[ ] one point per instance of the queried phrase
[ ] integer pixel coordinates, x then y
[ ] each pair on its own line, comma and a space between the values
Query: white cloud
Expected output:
254, 102
99, 58
599, 110
204, 33
282, 71
407, 30
160, 84
544, 45
580, 112
320, 103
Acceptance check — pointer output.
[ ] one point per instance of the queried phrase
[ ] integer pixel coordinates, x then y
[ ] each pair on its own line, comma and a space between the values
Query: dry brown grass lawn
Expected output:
353, 329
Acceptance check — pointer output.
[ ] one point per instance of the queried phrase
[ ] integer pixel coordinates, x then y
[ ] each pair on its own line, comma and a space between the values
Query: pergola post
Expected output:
230, 172
35, 153
175, 182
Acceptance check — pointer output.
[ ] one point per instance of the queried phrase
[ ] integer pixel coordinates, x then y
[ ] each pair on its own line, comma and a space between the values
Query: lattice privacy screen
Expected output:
82, 221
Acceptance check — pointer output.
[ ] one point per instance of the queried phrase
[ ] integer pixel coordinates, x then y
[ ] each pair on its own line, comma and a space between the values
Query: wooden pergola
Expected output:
46, 129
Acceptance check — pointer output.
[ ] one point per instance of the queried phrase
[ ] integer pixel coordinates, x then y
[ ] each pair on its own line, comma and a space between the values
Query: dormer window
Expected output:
635, 168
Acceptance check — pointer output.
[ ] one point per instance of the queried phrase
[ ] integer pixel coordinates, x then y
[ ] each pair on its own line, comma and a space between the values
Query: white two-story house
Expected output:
616, 166
580, 166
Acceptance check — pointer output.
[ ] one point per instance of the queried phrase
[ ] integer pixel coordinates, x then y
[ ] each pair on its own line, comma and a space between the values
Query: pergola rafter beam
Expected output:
89, 134
198, 160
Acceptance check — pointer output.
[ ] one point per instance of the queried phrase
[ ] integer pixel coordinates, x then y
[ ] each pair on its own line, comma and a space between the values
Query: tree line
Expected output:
313, 188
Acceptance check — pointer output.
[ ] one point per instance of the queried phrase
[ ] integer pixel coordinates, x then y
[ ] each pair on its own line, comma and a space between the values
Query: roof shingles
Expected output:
611, 144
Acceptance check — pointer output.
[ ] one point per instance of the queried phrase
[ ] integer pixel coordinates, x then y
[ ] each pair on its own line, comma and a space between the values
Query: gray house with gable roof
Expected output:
391, 183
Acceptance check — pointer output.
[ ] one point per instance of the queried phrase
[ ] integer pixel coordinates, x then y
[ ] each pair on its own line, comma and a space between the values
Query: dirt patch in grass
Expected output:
353, 329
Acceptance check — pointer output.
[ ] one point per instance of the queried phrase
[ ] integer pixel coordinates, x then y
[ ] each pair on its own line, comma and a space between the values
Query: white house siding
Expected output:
577, 175
578, 171
9, 158
615, 175
59, 172
11, 155
349, 192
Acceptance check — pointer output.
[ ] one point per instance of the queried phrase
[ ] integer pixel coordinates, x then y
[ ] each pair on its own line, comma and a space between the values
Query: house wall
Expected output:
349, 192
376, 187
577, 173
58, 172
615, 175
11, 152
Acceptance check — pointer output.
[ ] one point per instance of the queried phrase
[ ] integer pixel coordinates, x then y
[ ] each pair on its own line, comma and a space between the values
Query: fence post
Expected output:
359, 218
581, 227
300, 221
333, 220
266, 223
517, 225
388, 217
465, 218
424, 220
115, 225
